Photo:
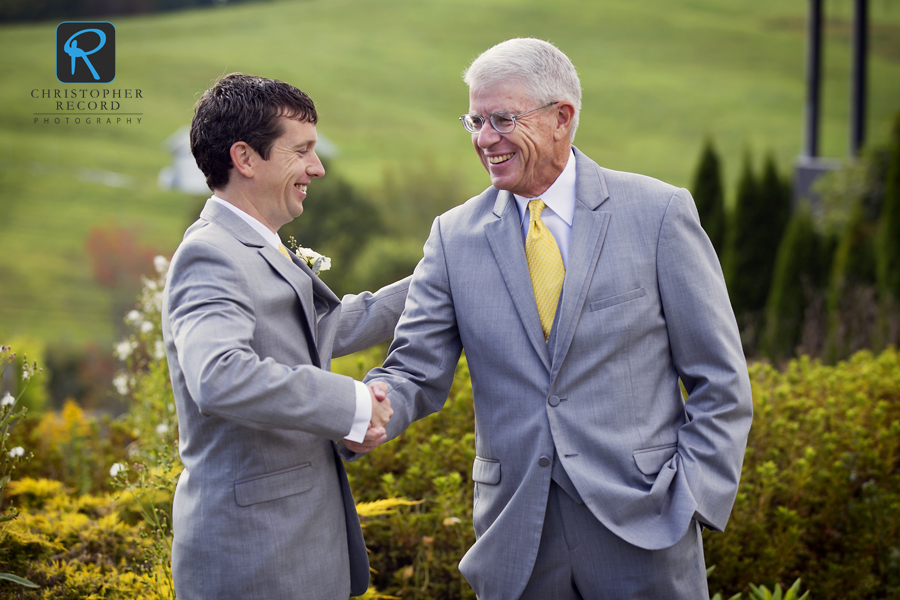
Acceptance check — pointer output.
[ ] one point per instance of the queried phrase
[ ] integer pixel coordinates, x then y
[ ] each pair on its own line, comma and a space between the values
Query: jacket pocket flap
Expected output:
271, 486
486, 471
651, 460
619, 299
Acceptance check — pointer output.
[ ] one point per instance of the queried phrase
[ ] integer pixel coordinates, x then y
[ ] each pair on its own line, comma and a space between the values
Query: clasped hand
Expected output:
381, 414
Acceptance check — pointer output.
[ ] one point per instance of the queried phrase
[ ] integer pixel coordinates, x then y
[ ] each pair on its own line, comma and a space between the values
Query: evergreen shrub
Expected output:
709, 195
797, 279
888, 242
761, 213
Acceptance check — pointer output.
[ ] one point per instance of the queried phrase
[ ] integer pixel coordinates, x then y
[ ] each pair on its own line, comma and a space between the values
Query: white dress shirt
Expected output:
560, 201
363, 397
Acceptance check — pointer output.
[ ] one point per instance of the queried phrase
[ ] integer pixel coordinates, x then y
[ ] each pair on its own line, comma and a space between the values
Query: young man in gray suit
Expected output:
581, 296
263, 509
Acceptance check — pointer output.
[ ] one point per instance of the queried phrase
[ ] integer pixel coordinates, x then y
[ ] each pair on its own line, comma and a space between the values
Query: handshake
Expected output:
381, 414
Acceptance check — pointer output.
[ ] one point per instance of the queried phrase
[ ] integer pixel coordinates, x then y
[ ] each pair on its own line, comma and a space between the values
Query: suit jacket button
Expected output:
544, 462
553, 400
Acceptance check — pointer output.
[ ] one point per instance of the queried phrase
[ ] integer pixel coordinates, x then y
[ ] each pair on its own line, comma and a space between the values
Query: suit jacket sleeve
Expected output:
232, 373
368, 319
707, 353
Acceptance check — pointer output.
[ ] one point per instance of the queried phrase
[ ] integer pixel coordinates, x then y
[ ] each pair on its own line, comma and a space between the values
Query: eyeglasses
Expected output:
501, 122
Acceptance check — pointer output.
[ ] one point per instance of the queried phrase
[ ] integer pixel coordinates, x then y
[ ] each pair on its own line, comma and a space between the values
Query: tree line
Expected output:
818, 278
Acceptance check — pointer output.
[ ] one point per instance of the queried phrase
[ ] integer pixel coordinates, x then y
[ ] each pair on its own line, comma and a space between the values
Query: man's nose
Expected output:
316, 168
487, 137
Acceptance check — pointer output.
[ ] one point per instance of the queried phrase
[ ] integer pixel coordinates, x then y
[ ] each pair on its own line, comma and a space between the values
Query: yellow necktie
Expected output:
545, 265
284, 251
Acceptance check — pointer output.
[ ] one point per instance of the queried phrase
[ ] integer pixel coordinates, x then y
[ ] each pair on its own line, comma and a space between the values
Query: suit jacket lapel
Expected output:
589, 227
297, 275
505, 238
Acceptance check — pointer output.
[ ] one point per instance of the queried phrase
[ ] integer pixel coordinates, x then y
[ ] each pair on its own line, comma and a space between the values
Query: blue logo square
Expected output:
85, 52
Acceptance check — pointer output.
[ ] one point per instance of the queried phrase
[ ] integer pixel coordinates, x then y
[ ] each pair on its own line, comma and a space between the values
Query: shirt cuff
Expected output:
363, 414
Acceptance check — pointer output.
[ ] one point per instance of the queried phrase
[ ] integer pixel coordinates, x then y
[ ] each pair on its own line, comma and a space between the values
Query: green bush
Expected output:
72, 447
74, 546
820, 488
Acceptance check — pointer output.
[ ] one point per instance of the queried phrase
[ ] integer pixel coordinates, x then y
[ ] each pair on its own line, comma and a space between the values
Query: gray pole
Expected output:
858, 77
813, 70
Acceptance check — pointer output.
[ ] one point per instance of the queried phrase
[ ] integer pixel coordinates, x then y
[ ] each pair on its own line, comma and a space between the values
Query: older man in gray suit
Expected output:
581, 297
263, 509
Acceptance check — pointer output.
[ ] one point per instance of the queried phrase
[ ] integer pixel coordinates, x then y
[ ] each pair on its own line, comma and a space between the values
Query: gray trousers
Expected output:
580, 559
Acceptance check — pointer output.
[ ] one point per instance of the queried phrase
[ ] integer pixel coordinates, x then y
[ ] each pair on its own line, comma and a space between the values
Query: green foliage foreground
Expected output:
819, 497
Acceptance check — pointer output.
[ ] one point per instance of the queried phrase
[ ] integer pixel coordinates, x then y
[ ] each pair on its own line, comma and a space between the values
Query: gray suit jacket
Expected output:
263, 508
643, 304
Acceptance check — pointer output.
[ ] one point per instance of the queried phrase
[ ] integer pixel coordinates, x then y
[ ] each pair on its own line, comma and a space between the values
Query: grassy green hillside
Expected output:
658, 76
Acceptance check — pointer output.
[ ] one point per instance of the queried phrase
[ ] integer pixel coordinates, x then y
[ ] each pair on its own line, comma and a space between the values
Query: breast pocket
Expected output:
617, 299
274, 485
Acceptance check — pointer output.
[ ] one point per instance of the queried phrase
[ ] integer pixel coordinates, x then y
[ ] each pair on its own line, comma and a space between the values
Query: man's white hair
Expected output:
546, 73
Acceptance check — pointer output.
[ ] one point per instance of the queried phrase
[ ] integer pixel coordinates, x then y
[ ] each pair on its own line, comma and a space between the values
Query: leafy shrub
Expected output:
72, 447
73, 546
820, 489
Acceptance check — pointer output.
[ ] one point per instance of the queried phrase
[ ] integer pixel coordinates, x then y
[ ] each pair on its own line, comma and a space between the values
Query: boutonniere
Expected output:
315, 261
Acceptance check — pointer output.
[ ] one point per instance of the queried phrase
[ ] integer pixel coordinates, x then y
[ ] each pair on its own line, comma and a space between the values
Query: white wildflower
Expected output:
162, 429
146, 327
120, 382
17, 452
116, 469
26, 372
133, 317
161, 263
159, 350
8, 400
123, 349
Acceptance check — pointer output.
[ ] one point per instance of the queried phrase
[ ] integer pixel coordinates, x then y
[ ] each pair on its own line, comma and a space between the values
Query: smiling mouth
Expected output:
300, 187
496, 160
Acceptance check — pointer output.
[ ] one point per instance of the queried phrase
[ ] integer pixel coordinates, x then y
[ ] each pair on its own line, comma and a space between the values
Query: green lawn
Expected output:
658, 76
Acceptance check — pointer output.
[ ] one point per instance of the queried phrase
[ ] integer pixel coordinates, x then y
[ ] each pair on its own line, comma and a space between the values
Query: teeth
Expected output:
499, 159
302, 188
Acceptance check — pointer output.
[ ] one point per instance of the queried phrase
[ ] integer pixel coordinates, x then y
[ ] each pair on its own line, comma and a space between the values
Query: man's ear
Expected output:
242, 157
565, 112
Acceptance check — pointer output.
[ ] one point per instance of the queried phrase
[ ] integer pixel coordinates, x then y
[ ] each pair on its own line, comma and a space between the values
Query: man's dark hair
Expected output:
242, 108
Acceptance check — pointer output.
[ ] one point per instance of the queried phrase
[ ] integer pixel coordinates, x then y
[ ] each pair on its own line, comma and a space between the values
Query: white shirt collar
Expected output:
272, 238
559, 197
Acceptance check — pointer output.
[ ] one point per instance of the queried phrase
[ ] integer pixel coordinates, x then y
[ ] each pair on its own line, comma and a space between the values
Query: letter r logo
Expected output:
85, 52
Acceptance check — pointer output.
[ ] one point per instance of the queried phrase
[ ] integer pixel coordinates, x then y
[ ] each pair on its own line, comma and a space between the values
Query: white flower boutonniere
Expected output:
315, 261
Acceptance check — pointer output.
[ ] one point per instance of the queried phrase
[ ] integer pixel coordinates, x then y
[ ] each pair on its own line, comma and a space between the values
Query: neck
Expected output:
241, 198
